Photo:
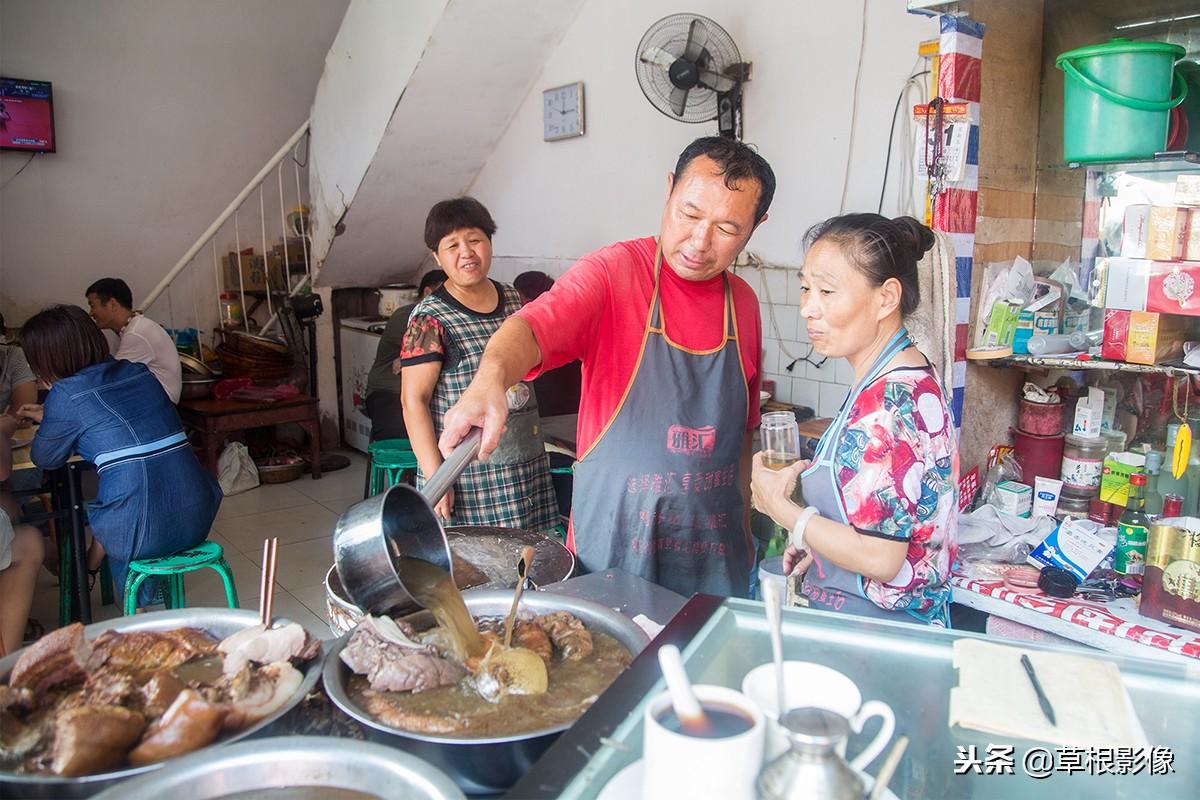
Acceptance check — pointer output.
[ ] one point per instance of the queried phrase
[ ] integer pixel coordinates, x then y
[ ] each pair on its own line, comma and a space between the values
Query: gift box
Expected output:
1153, 338
1174, 288
1136, 231
1126, 283
1168, 229
1116, 331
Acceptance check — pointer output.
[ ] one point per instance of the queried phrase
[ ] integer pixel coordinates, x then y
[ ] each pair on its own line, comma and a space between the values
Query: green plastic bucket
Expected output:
1118, 98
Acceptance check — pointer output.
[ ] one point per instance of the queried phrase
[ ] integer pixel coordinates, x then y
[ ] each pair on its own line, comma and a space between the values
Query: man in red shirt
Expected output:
671, 350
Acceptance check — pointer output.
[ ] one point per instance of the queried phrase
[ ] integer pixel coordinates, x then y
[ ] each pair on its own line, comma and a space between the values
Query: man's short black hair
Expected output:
532, 284
112, 289
453, 215
737, 162
432, 281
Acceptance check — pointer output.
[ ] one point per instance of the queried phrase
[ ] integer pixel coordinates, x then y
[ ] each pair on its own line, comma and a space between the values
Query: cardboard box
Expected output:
1187, 190
1075, 545
1116, 332
1168, 229
1114, 480
1136, 232
253, 273
1174, 287
1126, 283
1154, 338
1191, 240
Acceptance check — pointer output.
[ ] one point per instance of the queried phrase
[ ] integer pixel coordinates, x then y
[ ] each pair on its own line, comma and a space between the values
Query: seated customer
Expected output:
21, 554
154, 498
383, 382
142, 340
17, 387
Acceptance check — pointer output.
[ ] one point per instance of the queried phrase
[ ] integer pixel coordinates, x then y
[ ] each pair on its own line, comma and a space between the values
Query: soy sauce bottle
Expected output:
1133, 529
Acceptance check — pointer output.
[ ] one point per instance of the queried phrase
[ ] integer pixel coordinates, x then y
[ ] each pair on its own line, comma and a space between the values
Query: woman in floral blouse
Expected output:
877, 533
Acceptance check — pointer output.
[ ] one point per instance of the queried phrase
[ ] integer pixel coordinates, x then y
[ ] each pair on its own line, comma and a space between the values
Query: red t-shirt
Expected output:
597, 313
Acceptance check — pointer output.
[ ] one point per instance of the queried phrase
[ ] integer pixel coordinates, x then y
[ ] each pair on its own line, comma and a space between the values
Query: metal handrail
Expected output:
229, 211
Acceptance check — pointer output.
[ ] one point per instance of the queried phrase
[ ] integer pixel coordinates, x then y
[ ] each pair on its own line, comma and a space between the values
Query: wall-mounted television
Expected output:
26, 115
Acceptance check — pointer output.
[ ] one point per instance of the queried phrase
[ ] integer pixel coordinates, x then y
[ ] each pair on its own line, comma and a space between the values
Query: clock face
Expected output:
562, 112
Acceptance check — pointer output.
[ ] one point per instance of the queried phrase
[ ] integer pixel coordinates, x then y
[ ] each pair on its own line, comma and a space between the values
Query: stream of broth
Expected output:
434, 588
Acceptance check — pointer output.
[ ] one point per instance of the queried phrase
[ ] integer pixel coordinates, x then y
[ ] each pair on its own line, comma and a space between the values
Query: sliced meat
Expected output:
160, 692
256, 694
570, 637
94, 739
57, 659
530, 636
189, 724
110, 687
16, 699
262, 646
392, 662
22, 730
149, 651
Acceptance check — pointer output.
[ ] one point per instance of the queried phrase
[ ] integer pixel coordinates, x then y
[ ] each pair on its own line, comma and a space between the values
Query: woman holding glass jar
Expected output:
878, 534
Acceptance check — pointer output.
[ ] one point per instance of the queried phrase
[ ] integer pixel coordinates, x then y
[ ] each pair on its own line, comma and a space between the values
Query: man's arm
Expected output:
23, 394
511, 353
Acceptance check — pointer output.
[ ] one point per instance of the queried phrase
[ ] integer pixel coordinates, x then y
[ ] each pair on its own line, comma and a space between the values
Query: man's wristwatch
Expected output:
797, 537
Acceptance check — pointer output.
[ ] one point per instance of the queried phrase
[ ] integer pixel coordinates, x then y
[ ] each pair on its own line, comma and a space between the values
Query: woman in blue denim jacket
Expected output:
154, 497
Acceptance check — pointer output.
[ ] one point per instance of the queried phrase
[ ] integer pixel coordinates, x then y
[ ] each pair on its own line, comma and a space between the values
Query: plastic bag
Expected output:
235, 469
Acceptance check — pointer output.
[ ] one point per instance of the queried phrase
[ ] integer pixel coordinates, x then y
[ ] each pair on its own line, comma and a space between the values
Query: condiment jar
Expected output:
812, 767
1082, 464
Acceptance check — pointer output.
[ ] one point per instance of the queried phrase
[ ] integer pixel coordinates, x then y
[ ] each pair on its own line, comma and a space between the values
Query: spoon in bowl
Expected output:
522, 570
683, 699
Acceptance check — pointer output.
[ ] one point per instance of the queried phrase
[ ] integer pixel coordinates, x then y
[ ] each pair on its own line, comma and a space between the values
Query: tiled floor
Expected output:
301, 513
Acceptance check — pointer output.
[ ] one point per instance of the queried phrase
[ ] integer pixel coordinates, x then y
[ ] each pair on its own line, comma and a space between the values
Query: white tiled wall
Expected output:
784, 339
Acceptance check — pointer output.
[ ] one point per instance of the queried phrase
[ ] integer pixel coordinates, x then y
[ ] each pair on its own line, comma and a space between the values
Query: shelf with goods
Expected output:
1073, 362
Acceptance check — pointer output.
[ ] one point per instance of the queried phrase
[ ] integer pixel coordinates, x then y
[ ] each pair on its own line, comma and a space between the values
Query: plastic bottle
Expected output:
1191, 500
1050, 344
1168, 483
1154, 500
1133, 530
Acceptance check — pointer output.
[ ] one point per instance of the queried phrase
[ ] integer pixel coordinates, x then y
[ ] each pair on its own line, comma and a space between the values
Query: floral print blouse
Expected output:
897, 467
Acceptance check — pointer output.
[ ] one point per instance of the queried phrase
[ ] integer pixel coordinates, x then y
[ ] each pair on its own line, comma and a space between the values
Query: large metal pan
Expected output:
292, 762
484, 765
218, 622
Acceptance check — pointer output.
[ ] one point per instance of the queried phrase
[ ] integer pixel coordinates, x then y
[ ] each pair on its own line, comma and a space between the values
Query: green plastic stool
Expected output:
388, 463
172, 568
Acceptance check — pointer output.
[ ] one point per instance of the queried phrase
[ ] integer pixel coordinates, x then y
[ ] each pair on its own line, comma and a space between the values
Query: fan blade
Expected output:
697, 38
715, 81
678, 100
658, 57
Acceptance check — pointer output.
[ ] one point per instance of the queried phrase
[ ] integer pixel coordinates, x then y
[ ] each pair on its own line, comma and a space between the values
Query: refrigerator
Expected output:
359, 341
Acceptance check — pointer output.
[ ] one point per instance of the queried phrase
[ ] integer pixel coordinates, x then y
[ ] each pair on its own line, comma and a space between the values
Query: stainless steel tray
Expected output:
908, 666
219, 622
282, 762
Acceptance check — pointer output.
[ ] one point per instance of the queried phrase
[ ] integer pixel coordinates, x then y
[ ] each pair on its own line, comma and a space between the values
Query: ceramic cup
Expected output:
809, 684
677, 765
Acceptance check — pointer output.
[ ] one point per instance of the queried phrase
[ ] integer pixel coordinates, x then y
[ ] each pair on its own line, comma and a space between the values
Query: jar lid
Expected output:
811, 728
1086, 441
1057, 582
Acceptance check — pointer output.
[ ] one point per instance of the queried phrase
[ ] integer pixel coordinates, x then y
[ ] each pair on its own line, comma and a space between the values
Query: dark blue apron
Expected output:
826, 585
657, 494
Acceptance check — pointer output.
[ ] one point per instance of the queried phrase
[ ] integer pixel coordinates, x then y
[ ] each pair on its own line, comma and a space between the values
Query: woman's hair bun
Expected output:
916, 235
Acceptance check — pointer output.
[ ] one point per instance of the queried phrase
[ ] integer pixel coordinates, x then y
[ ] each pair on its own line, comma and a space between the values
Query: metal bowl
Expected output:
218, 622
195, 366
484, 765
291, 762
195, 388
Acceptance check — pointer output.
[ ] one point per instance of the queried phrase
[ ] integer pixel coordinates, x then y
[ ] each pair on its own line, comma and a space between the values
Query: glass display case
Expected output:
907, 666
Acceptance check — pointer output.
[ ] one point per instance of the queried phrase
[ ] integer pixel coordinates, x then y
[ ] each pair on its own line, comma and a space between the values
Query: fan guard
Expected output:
661, 56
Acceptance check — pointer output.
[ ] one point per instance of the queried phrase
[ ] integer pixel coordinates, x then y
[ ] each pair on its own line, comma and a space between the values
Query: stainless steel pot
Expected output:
370, 536
490, 765
316, 762
219, 622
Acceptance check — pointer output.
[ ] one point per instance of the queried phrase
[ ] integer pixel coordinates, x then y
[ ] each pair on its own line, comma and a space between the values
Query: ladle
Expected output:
683, 699
371, 536
774, 604
522, 570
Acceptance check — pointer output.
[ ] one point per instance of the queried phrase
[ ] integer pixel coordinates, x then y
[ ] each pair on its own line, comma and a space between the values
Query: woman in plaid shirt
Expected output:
442, 347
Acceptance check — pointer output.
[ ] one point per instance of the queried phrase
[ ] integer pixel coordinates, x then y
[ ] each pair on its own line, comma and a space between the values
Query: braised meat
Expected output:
189, 724
570, 637
529, 635
158, 693
16, 699
392, 661
93, 739
262, 646
254, 694
110, 687
149, 650
57, 659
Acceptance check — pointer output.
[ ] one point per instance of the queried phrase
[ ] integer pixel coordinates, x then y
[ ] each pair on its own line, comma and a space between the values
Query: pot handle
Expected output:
445, 476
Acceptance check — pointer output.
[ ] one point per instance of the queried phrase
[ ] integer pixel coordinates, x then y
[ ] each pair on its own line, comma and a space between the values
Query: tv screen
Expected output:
26, 115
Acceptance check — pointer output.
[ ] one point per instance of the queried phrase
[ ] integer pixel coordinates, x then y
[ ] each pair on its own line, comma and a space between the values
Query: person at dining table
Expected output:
21, 552
17, 386
877, 533
154, 498
139, 338
446, 336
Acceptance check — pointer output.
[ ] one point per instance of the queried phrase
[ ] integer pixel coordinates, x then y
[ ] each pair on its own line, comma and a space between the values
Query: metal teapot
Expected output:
812, 767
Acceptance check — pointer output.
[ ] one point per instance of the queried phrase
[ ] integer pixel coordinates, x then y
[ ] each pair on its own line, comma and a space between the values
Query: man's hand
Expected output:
31, 411
482, 405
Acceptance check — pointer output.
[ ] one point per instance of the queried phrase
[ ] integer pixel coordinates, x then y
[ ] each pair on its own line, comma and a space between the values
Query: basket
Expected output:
269, 472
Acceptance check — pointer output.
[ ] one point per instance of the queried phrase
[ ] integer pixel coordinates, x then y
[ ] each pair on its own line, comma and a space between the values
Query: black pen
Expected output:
1043, 701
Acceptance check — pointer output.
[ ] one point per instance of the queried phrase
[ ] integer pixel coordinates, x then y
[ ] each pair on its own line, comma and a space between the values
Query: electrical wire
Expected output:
13, 177
909, 84
862, 46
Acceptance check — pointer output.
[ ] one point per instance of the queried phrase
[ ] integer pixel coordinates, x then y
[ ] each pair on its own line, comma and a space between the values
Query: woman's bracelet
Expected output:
797, 537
